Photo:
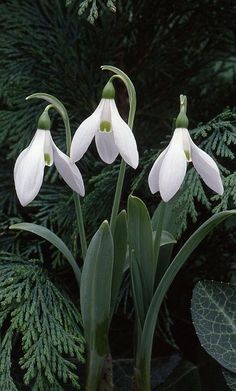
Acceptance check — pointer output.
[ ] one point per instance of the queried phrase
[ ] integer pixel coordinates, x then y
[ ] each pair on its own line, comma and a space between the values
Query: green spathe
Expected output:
108, 91
44, 121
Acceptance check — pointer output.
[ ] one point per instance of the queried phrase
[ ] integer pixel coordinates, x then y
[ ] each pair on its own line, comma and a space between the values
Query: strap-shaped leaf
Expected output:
52, 238
167, 279
214, 319
96, 282
140, 239
167, 238
138, 292
120, 250
95, 298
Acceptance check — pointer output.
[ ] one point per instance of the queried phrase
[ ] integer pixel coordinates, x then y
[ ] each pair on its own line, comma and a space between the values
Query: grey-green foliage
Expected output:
230, 379
40, 328
214, 319
92, 7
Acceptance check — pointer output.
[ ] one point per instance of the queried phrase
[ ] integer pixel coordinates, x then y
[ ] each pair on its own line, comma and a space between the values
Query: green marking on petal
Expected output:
47, 159
188, 155
105, 126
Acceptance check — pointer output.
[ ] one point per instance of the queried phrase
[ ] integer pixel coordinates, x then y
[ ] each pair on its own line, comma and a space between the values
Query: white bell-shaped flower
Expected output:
112, 134
168, 171
29, 167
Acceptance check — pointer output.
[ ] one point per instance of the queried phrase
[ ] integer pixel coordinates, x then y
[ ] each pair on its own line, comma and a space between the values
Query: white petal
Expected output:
173, 169
106, 110
124, 138
207, 169
153, 177
48, 153
85, 133
186, 141
68, 170
29, 169
106, 146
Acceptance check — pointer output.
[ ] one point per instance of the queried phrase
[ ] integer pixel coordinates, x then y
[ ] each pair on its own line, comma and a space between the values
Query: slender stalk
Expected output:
78, 209
157, 241
79, 216
116, 202
132, 109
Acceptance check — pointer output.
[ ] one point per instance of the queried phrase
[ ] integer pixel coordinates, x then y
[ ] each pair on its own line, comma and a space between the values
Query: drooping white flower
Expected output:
168, 171
29, 167
112, 134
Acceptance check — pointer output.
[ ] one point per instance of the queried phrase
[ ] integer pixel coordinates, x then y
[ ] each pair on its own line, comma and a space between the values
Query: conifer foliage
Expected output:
42, 325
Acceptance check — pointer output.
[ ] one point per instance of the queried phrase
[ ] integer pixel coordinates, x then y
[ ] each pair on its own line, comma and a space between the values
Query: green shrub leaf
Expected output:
214, 318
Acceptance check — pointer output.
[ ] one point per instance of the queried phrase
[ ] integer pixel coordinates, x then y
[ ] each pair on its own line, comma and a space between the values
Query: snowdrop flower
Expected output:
42, 151
112, 134
168, 171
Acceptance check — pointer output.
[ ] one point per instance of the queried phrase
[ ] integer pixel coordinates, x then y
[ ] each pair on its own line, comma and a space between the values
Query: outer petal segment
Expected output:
85, 133
173, 168
106, 147
29, 169
68, 170
207, 169
153, 177
124, 138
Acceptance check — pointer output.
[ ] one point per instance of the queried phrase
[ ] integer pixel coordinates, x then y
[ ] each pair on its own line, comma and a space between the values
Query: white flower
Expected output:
168, 171
29, 167
112, 135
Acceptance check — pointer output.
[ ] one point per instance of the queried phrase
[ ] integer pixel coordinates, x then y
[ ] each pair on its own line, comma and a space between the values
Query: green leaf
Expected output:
167, 279
137, 290
214, 319
120, 249
170, 217
163, 219
140, 240
52, 238
95, 298
230, 379
61, 110
167, 238
185, 377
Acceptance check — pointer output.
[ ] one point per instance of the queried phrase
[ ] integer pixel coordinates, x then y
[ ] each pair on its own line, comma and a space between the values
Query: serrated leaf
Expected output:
52, 238
230, 379
214, 318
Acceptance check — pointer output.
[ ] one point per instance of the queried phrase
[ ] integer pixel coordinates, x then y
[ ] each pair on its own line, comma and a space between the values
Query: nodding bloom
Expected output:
168, 171
112, 134
42, 151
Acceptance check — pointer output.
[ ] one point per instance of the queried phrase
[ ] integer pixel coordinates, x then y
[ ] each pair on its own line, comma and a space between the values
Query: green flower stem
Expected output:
80, 222
159, 231
116, 202
78, 209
